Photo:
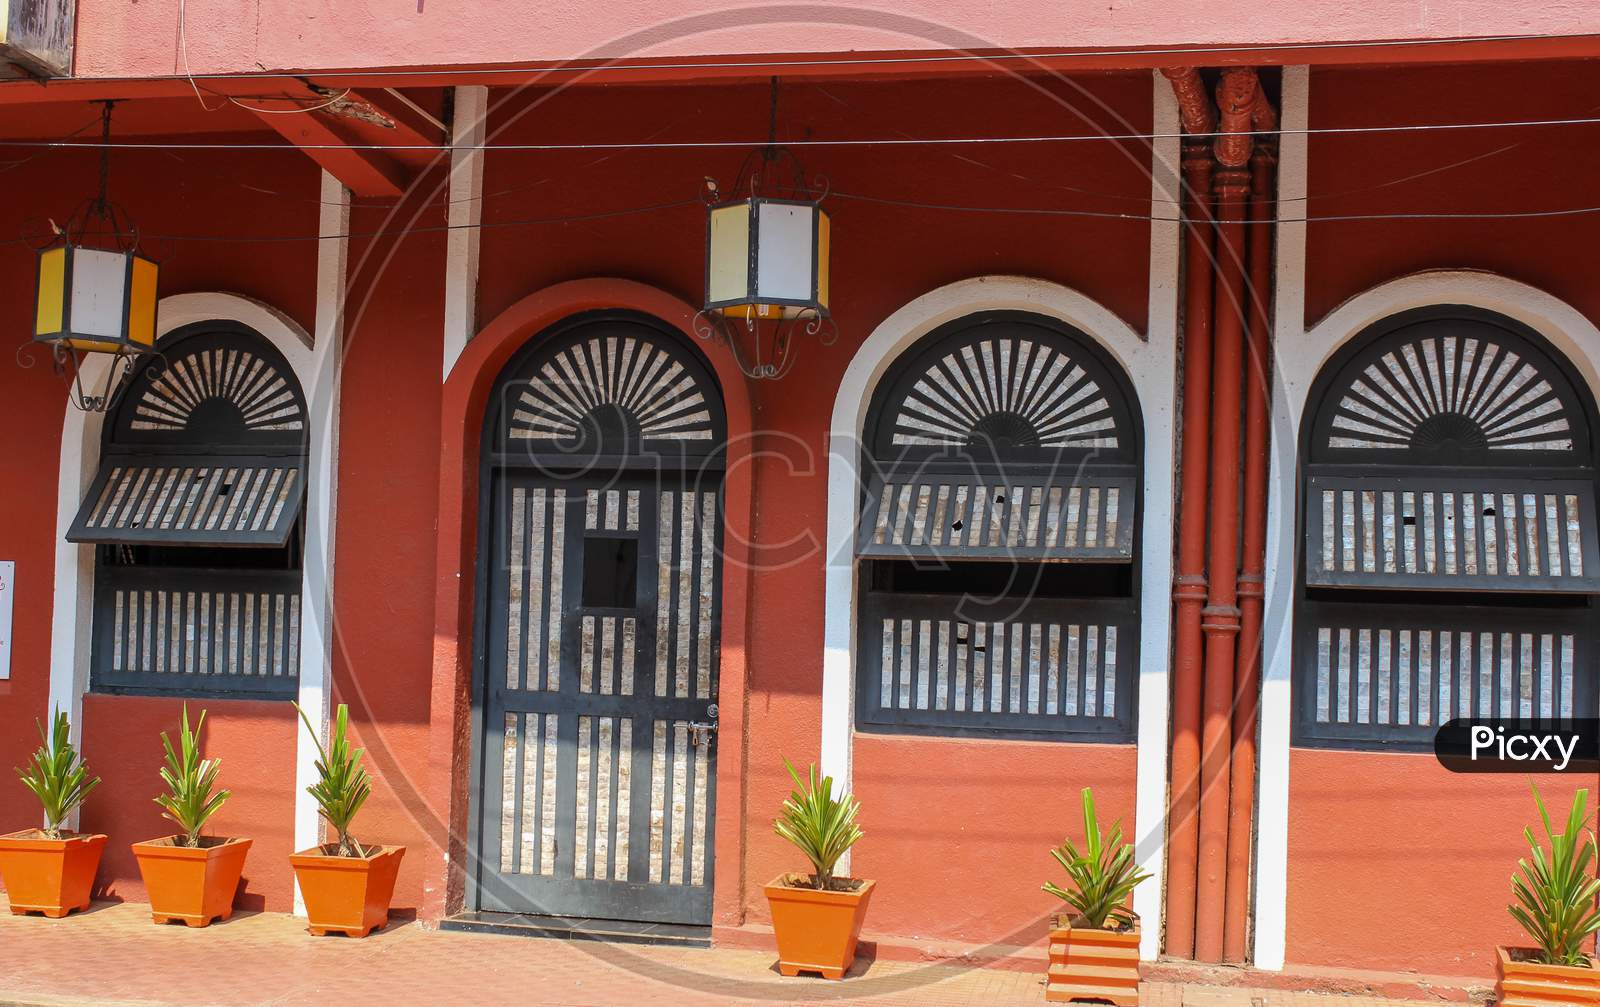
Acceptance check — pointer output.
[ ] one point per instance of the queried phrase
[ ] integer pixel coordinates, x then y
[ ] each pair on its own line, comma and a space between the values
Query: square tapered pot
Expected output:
1092, 965
49, 876
348, 895
1527, 983
817, 931
195, 884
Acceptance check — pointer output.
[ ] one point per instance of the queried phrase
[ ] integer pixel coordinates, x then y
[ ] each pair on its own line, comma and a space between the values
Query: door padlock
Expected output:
700, 732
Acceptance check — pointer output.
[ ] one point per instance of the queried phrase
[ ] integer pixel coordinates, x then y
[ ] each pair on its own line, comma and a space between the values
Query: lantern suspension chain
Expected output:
102, 201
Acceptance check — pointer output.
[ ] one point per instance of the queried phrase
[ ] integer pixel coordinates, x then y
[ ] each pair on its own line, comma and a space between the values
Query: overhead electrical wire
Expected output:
813, 142
1475, 215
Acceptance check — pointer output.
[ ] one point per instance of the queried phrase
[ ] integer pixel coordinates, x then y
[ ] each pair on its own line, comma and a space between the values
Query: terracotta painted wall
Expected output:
384, 553
1474, 170
959, 830
884, 256
1396, 864
176, 198
254, 742
1393, 863
31, 404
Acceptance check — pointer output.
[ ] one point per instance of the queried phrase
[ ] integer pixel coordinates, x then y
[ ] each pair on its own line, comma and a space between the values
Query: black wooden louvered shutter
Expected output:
1450, 458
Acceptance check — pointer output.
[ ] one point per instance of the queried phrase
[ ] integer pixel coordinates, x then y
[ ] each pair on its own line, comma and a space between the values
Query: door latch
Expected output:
700, 732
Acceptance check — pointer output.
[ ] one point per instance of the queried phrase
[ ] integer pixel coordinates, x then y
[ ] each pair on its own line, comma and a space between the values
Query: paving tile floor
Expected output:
113, 954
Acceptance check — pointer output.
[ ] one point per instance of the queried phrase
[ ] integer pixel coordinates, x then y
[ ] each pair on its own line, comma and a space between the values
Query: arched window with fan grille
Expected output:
998, 533
196, 515
1449, 534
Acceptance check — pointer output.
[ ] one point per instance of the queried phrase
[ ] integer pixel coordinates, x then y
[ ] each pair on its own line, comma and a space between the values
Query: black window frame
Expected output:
1481, 628
1062, 581
227, 606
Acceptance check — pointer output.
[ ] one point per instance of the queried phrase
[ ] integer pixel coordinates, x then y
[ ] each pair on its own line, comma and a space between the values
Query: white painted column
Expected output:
322, 474
1155, 607
466, 212
73, 592
1289, 333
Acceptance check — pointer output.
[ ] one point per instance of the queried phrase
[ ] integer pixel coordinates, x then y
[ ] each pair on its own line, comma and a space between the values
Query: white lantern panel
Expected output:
98, 303
730, 253
784, 265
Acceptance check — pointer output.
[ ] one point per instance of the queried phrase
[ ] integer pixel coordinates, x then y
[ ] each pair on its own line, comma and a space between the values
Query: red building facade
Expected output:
1184, 269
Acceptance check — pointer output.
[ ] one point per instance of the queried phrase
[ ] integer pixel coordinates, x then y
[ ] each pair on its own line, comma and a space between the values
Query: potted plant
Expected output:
1094, 948
816, 918
346, 886
51, 870
1556, 905
188, 876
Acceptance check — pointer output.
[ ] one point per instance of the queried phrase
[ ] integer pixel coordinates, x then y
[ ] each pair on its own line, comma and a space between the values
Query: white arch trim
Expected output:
1563, 325
1149, 365
316, 365
1300, 356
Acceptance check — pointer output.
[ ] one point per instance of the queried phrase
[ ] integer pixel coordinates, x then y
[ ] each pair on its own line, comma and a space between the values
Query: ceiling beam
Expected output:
367, 173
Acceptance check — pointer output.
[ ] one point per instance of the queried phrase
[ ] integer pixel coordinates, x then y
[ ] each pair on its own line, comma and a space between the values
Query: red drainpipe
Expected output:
1263, 207
1189, 583
1236, 96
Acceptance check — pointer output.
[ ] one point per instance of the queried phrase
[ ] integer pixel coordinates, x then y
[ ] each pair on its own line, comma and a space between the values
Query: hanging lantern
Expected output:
96, 293
766, 261
767, 258
95, 300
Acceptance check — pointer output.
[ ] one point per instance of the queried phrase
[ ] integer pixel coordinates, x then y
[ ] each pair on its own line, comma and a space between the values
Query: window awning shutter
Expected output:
1082, 517
1444, 532
175, 499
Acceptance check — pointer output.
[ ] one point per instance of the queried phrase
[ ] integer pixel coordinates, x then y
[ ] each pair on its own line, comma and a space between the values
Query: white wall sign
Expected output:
8, 587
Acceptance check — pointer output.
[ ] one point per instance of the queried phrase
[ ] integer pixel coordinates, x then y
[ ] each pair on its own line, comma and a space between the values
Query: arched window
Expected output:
195, 512
1449, 533
999, 526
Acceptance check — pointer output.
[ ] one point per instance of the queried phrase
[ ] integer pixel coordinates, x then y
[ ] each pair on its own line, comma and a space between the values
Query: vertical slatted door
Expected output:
602, 643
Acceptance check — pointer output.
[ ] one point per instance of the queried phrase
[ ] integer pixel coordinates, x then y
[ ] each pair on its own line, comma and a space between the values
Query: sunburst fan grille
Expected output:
1038, 386
1395, 402
661, 398
266, 398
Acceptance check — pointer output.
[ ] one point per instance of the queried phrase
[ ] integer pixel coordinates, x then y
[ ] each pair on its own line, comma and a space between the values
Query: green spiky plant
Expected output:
192, 796
342, 786
57, 777
821, 825
1556, 891
1103, 874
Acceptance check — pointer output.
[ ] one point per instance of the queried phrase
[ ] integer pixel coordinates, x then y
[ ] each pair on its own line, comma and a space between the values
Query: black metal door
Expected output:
600, 688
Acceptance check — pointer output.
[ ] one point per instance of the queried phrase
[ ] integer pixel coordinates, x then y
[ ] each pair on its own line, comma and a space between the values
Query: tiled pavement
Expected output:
113, 954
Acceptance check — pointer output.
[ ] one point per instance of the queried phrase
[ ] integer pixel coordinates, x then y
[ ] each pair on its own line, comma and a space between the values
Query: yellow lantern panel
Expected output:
728, 268
142, 303
52, 291
824, 227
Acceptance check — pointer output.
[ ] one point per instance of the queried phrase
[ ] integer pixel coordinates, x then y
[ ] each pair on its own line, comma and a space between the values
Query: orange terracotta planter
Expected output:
1526, 983
349, 895
50, 876
192, 884
1093, 965
816, 931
